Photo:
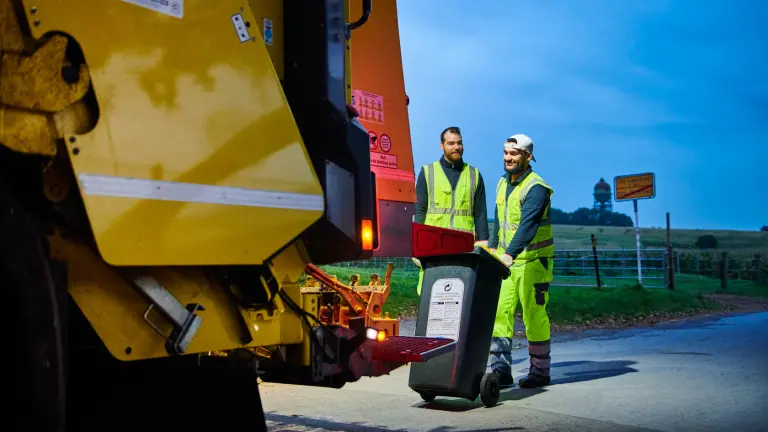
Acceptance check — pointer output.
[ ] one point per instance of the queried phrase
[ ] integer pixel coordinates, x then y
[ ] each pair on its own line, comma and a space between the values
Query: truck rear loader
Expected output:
169, 170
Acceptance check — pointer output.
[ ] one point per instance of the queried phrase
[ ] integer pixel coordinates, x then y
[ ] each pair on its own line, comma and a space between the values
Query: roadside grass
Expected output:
629, 302
623, 304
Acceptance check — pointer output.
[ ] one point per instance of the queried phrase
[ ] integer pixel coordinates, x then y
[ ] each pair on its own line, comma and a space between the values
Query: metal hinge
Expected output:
185, 322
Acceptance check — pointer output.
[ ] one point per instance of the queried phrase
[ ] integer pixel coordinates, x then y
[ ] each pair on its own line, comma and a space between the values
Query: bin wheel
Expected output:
427, 397
490, 388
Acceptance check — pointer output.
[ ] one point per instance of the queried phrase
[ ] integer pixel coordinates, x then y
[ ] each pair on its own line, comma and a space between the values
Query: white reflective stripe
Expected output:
501, 181
472, 189
447, 211
431, 186
110, 186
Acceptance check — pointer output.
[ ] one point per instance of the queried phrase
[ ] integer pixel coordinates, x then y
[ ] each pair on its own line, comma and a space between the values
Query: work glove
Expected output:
416, 261
507, 259
482, 243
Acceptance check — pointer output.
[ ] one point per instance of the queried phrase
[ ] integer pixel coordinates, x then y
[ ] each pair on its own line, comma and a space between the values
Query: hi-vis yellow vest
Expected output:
449, 208
509, 213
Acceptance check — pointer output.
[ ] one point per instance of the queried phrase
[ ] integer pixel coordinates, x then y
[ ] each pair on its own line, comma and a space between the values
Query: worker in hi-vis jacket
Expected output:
451, 194
521, 235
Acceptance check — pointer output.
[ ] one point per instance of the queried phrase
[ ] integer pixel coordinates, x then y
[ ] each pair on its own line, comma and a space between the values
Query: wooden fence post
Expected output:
594, 259
723, 270
670, 271
757, 265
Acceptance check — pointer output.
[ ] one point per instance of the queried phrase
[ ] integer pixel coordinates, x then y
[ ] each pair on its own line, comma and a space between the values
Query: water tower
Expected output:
603, 196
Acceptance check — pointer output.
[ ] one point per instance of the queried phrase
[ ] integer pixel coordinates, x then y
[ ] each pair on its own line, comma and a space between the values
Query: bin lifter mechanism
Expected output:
339, 303
383, 332
351, 338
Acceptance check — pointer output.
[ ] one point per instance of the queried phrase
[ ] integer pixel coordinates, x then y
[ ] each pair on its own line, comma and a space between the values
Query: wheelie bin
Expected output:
459, 296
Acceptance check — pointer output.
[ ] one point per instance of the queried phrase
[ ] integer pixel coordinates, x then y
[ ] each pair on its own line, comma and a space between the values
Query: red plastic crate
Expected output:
405, 349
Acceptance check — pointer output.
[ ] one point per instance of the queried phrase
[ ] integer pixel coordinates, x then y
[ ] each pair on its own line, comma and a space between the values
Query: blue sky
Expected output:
604, 88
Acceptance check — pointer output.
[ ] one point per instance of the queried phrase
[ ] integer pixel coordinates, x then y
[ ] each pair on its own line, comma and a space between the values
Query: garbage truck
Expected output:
169, 170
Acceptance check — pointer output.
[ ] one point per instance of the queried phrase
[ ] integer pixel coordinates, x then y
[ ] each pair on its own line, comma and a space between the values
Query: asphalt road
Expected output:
696, 376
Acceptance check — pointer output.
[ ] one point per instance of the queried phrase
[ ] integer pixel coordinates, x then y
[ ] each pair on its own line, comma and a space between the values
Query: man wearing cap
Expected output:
451, 194
522, 237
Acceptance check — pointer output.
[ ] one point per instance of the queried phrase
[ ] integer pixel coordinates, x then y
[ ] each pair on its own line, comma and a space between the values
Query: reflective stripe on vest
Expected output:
452, 213
508, 221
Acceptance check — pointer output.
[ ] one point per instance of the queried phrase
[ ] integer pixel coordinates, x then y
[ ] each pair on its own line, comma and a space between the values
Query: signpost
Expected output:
634, 187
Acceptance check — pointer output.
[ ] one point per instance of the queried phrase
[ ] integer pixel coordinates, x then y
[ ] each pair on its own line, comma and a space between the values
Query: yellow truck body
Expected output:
168, 169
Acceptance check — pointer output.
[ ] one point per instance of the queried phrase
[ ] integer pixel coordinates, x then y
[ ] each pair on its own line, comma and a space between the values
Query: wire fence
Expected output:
588, 268
740, 265
610, 267
573, 267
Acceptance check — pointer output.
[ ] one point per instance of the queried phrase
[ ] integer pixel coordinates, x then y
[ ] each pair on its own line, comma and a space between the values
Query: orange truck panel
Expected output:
378, 92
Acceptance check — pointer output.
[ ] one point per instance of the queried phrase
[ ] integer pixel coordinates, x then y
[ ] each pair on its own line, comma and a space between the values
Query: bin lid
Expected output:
487, 254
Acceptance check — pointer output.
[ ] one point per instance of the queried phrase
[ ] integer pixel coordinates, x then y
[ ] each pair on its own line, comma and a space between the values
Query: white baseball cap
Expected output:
520, 142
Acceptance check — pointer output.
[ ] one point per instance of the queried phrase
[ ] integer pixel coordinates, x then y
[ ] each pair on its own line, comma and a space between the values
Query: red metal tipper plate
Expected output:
433, 241
405, 349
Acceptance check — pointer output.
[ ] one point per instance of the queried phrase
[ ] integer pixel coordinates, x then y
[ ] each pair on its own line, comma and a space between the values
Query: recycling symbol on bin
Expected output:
447, 287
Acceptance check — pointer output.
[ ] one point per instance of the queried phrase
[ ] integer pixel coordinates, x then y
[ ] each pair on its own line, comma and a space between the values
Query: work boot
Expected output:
500, 360
505, 379
533, 381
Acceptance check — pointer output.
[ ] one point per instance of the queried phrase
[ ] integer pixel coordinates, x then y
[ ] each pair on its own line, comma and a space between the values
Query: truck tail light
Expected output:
367, 233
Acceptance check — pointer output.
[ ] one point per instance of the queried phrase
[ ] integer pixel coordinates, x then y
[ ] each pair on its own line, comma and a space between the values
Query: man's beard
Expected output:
451, 156
519, 168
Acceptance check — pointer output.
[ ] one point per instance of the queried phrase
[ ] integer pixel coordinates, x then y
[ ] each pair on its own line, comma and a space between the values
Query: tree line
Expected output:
590, 217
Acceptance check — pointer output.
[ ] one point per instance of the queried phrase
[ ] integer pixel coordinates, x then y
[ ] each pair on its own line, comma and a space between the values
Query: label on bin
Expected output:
445, 304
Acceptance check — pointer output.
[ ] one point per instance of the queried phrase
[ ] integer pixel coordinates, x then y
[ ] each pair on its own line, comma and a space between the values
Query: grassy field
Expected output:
624, 301
571, 236
586, 305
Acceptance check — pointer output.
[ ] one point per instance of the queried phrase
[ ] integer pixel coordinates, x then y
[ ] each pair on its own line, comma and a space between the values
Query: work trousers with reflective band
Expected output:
528, 284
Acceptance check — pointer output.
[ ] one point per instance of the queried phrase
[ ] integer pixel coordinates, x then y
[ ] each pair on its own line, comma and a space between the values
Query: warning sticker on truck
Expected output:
445, 303
383, 160
370, 106
174, 8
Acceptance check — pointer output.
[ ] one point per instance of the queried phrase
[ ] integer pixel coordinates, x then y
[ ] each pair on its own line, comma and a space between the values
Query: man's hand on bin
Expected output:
482, 243
416, 261
507, 259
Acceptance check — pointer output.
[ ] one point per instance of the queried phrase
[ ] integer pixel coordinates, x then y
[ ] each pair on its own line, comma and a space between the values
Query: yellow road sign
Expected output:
634, 187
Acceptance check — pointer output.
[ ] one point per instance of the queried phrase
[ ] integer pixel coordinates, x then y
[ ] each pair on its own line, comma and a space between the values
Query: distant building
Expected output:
603, 196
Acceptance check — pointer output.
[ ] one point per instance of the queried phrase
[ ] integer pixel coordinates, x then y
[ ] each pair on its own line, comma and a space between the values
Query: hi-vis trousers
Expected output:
527, 284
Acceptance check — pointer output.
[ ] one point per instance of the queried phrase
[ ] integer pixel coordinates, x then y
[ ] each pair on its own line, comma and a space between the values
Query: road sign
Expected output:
634, 187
